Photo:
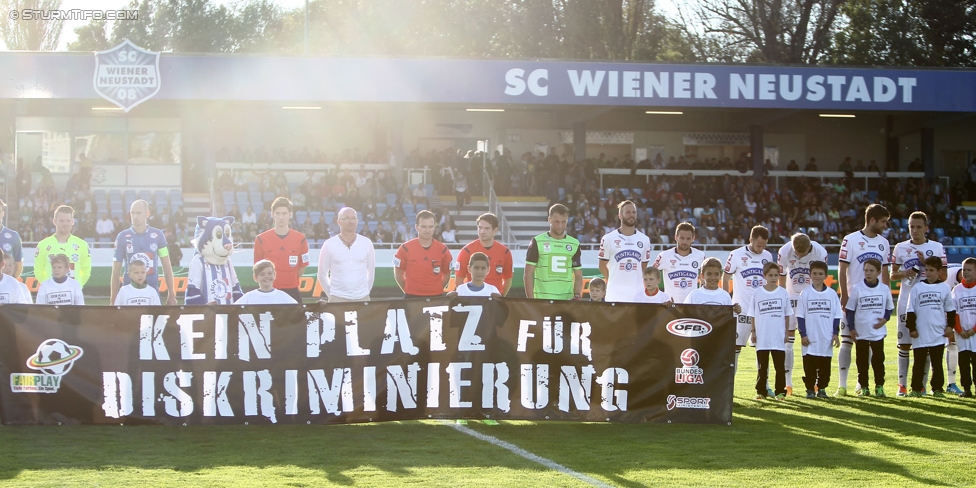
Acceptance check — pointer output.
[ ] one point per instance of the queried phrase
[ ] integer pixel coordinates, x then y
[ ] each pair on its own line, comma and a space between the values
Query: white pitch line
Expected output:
527, 455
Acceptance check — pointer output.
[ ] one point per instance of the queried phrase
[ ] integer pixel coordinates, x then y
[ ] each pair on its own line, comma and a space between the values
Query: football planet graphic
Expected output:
689, 358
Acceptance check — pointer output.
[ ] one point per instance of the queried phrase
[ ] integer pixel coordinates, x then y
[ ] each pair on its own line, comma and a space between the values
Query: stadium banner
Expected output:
447, 358
523, 82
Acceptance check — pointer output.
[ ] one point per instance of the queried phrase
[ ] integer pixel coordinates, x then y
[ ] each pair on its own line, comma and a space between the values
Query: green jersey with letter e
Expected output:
555, 261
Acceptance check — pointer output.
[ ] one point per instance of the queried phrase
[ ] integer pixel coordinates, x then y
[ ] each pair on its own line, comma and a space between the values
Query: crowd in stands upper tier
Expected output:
723, 208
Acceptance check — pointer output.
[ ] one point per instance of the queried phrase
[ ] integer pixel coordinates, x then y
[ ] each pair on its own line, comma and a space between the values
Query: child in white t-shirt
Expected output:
770, 314
711, 294
11, 290
478, 265
868, 310
930, 313
137, 292
818, 315
60, 289
266, 294
652, 288
964, 297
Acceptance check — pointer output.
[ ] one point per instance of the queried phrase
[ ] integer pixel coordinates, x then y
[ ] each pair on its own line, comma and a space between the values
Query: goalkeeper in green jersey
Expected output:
553, 270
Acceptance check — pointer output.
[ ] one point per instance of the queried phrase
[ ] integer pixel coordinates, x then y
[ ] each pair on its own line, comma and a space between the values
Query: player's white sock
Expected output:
903, 355
735, 365
788, 364
844, 361
952, 359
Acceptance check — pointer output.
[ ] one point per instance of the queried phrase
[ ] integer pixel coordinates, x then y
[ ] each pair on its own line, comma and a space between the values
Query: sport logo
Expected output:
696, 403
53, 359
689, 327
690, 374
126, 75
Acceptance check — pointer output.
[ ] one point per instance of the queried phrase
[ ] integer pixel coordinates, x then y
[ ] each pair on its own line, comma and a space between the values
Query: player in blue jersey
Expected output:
10, 243
144, 243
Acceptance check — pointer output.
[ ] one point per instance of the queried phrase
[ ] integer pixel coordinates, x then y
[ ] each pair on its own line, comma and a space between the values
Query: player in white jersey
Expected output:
906, 265
745, 265
964, 298
794, 260
624, 254
681, 264
858, 247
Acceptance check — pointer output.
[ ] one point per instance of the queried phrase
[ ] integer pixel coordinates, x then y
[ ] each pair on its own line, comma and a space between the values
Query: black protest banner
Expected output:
366, 362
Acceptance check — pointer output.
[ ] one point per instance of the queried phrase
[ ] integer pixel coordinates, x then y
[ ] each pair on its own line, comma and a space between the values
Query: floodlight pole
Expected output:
305, 49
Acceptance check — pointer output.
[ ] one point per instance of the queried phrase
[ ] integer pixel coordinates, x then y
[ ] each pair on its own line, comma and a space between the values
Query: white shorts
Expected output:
743, 329
793, 301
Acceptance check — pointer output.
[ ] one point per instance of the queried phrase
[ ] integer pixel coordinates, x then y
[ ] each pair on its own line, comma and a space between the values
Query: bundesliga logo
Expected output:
690, 373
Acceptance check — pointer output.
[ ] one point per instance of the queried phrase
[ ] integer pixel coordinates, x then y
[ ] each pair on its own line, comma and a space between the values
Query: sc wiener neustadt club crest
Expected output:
126, 75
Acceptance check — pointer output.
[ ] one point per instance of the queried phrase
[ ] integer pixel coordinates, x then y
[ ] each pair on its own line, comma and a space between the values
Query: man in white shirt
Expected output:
624, 254
908, 267
347, 262
681, 264
104, 227
745, 266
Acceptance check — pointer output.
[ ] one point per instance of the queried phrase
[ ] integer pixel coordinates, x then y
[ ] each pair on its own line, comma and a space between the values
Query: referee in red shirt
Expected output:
285, 247
422, 266
500, 258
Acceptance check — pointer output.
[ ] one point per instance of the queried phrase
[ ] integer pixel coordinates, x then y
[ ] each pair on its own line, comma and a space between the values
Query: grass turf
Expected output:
837, 442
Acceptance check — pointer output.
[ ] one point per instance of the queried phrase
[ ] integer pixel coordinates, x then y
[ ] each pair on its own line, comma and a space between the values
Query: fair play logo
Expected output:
53, 359
126, 75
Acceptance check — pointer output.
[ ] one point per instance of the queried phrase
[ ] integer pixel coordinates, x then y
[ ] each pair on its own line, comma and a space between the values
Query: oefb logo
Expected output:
689, 358
689, 327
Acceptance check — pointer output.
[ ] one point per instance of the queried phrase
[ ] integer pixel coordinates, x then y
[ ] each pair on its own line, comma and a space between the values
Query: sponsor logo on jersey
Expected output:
868, 255
627, 254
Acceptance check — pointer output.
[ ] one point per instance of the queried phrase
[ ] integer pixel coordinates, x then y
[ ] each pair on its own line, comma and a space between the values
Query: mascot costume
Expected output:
212, 279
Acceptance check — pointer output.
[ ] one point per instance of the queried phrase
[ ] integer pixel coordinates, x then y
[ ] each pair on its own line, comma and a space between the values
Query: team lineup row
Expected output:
553, 269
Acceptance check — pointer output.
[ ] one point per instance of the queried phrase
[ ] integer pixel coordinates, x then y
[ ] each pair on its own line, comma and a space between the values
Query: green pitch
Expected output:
797, 442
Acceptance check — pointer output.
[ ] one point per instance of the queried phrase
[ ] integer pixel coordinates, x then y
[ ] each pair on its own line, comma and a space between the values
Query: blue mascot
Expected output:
212, 279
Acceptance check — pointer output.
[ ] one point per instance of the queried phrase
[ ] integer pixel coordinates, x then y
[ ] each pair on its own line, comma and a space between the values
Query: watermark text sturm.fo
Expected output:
72, 14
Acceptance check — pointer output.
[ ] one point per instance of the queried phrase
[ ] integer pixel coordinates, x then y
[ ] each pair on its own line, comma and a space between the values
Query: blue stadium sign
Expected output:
251, 78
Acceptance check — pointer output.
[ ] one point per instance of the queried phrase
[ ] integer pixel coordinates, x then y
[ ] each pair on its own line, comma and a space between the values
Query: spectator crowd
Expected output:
723, 208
